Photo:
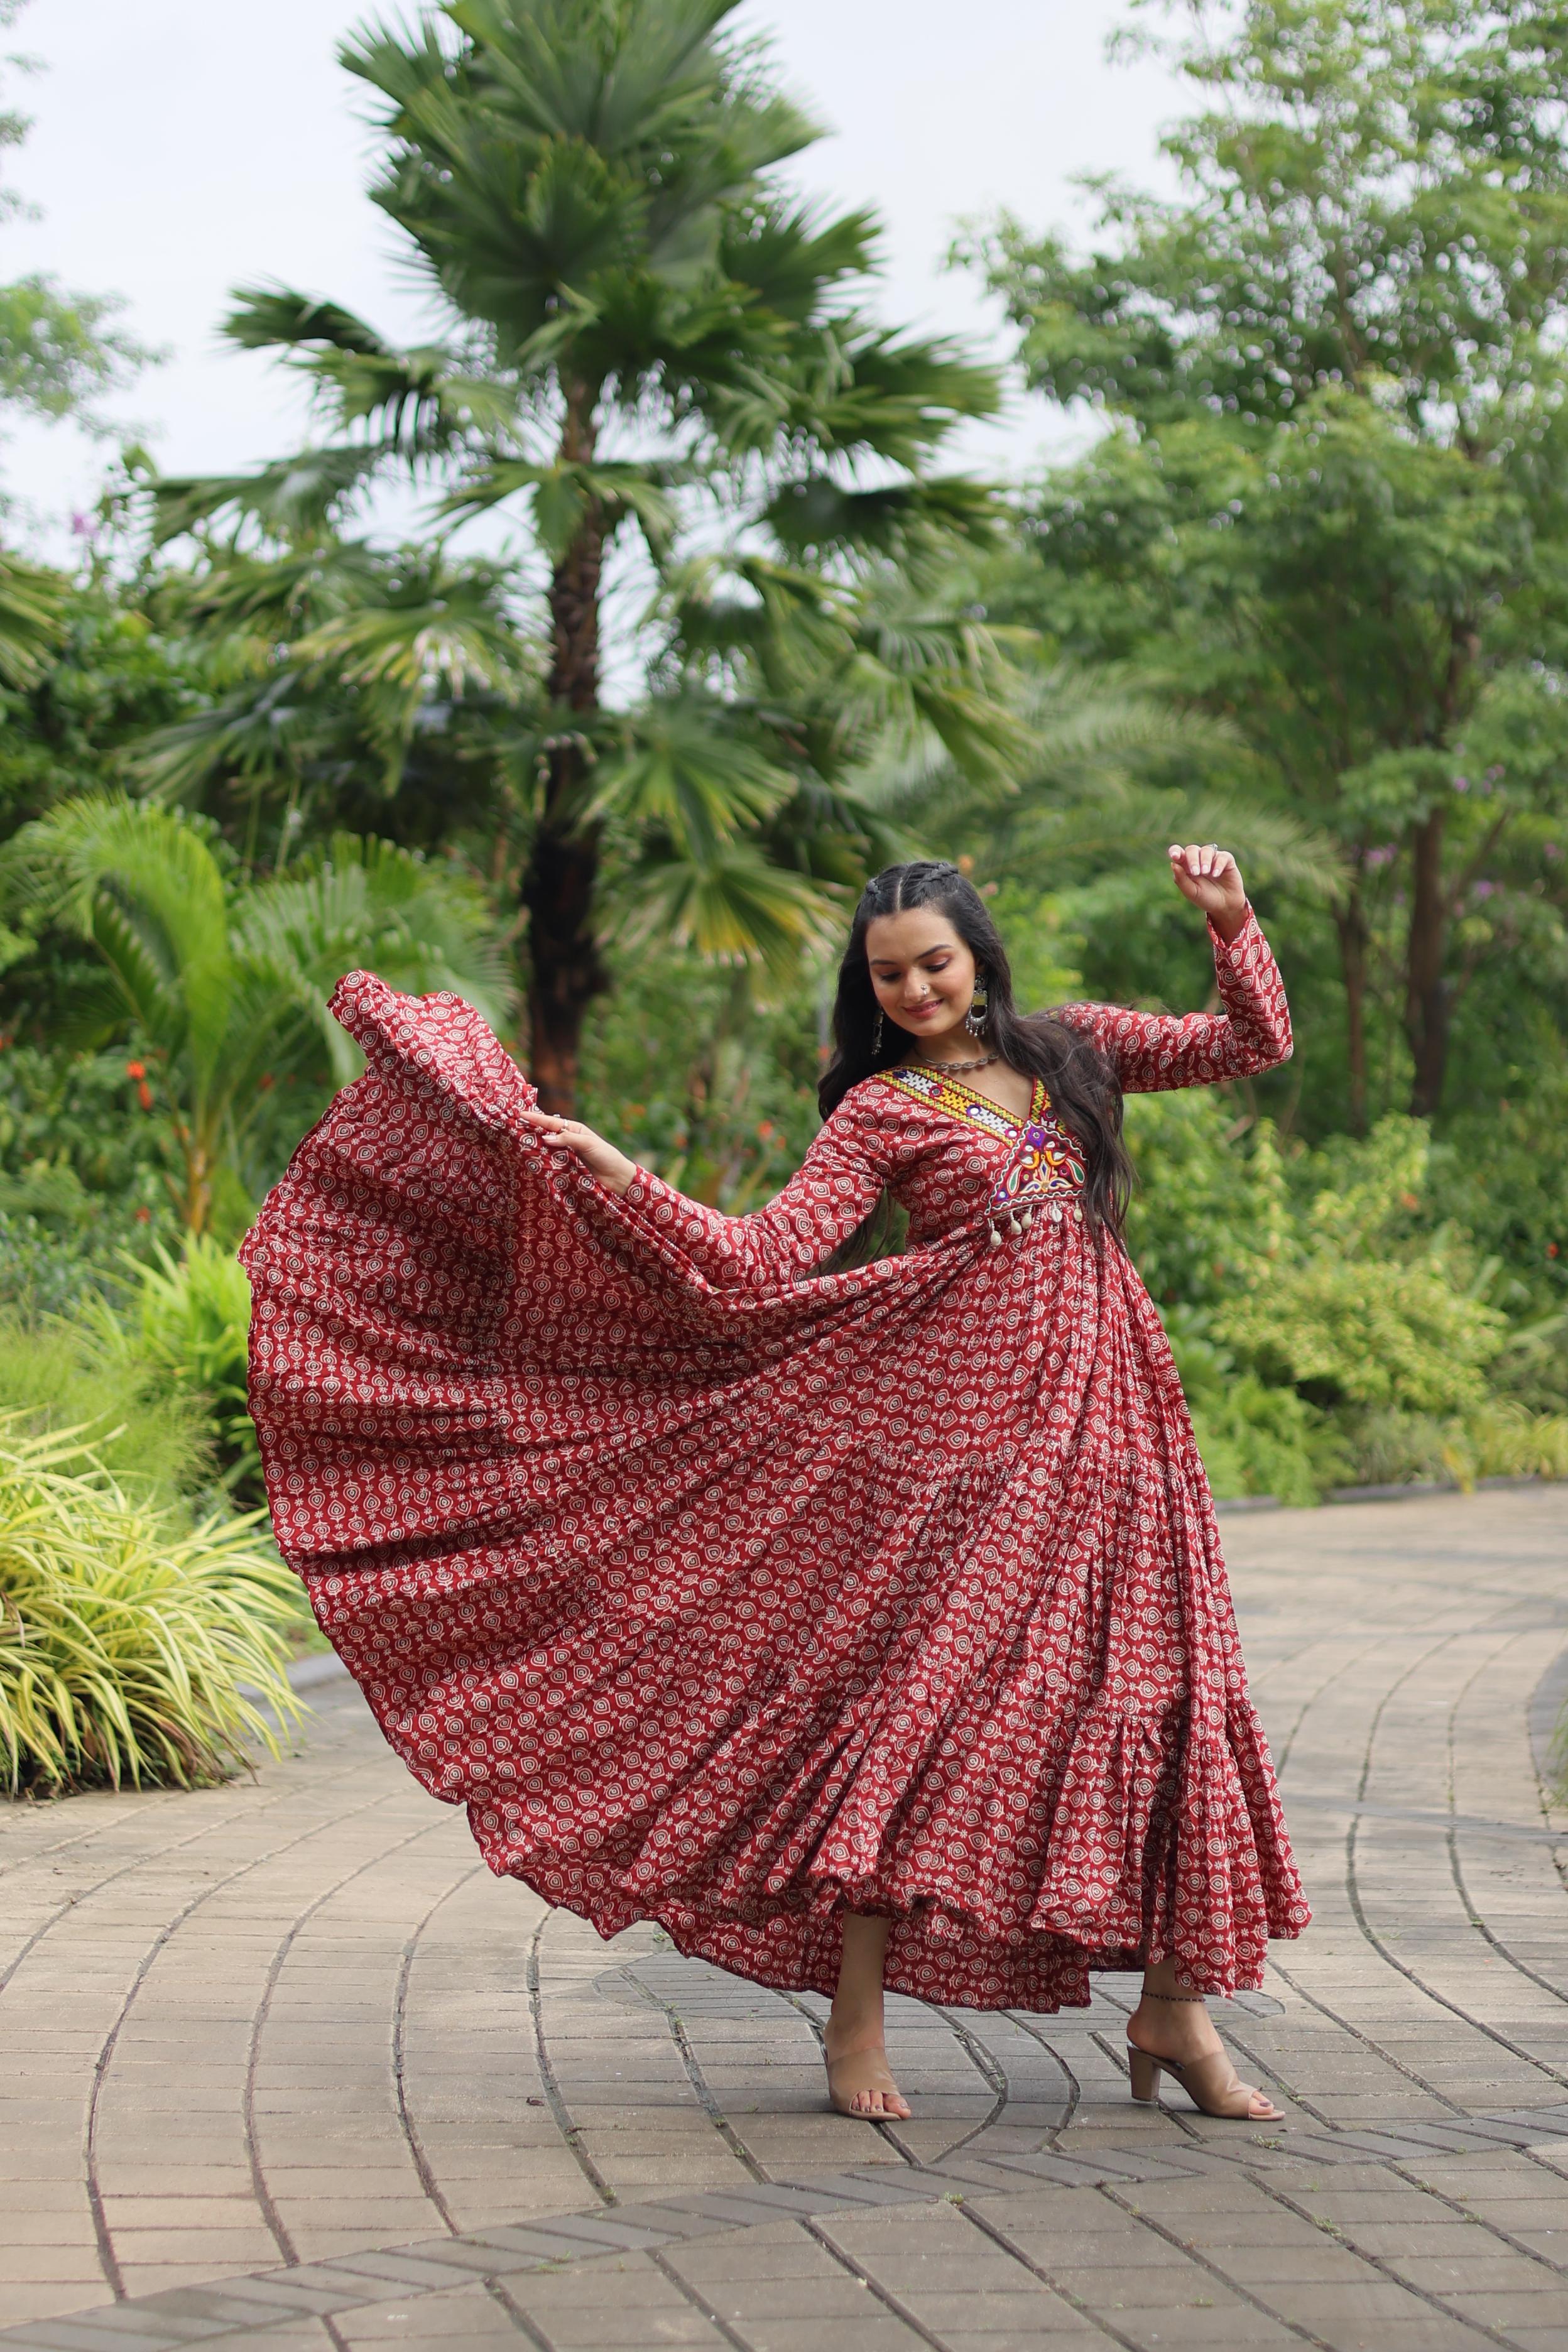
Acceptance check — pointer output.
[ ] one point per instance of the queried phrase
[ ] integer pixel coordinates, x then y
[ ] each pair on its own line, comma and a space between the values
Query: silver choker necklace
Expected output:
983, 1064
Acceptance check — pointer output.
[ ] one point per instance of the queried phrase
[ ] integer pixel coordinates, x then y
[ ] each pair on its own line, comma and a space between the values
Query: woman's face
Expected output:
920, 969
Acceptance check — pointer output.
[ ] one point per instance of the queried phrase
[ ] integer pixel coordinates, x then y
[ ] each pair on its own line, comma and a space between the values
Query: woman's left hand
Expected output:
1211, 879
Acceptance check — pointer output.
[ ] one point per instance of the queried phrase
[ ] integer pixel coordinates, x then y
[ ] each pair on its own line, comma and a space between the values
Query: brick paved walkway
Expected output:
283, 2068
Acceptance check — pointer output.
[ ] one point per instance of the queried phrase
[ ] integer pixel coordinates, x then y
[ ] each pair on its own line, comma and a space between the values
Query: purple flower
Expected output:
1380, 857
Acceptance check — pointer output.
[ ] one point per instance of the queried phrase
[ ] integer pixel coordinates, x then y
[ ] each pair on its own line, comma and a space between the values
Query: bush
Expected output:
1328, 1326
185, 1334
155, 1440
1255, 1440
129, 1650
1211, 1210
1505, 1440
1379, 1334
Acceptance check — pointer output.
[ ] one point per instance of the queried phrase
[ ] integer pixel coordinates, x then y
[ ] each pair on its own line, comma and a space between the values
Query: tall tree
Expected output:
1335, 510
645, 334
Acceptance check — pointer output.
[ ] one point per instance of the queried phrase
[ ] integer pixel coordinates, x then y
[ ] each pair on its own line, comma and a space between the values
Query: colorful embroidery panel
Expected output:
950, 1095
1045, 1168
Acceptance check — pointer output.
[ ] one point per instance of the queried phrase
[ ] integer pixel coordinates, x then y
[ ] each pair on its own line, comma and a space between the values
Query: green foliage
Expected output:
153, 1436
1331, 1324
129, 1650
59, 353
184, 1334
230, 984
1212, 1208
1334, 520
1367, 1334
80, 1154
1369, 1309
342, 684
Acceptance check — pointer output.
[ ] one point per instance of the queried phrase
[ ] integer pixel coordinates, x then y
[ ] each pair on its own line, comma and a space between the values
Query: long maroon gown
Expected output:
726, 1593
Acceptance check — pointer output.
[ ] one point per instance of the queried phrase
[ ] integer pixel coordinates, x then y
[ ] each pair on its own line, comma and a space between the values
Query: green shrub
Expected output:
130, 1649
1376, 1334
1212, 1208
185, 1333
1506, 1440
1255, 1440
1330, 1328
153, 1438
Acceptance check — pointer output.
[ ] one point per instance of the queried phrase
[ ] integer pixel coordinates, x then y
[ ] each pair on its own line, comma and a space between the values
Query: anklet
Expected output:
1171, 1996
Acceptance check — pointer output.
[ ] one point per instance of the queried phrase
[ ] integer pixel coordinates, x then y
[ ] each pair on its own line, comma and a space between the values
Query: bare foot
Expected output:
860, 2083
1182, 2034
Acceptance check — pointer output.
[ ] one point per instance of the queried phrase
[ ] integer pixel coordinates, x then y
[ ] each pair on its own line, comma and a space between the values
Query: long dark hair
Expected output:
1080, 1080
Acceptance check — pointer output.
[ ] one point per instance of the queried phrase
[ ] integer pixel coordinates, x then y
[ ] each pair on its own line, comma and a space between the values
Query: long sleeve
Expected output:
838, 1183
1154, 1051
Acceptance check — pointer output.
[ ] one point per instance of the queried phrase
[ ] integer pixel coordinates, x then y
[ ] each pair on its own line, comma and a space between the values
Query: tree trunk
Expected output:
1350, 921
565, 972
1428, 995
195, 1208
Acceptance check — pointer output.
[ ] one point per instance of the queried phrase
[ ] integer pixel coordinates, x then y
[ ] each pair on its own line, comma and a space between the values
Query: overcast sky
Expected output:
180, 148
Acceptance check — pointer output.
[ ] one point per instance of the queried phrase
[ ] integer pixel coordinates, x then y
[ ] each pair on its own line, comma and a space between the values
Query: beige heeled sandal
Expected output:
1212, 2084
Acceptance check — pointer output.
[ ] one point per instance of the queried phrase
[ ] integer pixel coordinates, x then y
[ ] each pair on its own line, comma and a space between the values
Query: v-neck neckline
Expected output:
969, 1105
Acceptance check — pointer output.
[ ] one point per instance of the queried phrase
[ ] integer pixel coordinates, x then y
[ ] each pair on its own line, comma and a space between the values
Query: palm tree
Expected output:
645, 336
229, 985
333, 664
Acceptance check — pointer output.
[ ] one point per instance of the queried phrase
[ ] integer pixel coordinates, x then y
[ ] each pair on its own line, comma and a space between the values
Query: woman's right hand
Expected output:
613, 1169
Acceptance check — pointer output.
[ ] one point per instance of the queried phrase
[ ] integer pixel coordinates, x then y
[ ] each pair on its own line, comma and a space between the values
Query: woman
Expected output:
862, 1627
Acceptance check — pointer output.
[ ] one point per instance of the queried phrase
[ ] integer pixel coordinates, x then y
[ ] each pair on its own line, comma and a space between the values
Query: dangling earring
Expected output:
975, 1019
877, 1033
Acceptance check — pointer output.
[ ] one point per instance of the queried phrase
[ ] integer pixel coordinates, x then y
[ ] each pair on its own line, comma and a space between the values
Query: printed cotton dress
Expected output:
727, 1593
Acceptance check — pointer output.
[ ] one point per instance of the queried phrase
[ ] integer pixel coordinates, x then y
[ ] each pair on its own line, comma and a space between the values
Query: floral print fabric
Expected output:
726, 1593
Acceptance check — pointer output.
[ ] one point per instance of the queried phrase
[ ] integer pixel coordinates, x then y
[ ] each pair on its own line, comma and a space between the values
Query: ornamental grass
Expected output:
132, 1646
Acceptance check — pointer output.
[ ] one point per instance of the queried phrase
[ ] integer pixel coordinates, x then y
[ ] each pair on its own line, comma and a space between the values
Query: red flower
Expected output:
143, 1216
1551, 1249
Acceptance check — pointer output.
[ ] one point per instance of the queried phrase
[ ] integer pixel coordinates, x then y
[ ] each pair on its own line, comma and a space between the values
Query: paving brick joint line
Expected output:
252, 2300
300, 2020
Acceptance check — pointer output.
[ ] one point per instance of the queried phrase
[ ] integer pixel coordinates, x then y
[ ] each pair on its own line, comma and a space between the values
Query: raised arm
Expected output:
1152, 1051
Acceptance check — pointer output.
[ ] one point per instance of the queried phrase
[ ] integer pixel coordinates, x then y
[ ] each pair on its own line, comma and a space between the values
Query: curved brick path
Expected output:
287, 2038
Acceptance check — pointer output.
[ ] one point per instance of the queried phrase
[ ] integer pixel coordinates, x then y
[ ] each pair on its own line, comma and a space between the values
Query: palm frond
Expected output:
142, 882
32, 619
734, 908
689, 773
